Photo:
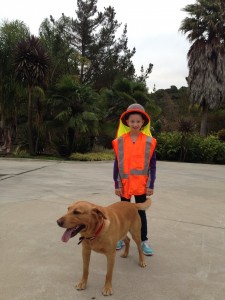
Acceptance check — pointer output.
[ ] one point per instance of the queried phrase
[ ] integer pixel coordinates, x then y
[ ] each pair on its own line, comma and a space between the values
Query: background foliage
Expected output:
62, 92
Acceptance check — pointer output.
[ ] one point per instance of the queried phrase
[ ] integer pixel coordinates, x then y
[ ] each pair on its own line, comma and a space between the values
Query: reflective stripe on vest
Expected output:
121, 159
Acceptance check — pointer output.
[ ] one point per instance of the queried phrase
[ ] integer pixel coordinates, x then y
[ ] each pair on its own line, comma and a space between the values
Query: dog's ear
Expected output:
97, 212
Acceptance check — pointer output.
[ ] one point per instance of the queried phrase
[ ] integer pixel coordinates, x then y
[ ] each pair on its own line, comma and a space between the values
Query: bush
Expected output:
92, 156
194, 152
21, 153
168, 146
220, 155
213, 151
221, 135
198, 149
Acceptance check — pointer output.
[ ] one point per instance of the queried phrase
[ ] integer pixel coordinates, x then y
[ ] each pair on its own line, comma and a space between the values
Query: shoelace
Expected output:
146, 245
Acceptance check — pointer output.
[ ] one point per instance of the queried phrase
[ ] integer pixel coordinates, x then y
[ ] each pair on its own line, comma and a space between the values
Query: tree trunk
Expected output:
204, 119
30, 136
2, 125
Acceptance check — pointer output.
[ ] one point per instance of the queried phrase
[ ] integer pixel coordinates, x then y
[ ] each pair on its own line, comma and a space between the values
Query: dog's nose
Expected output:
60, 222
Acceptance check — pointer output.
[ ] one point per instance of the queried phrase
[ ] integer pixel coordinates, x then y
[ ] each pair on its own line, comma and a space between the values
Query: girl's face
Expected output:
135, 122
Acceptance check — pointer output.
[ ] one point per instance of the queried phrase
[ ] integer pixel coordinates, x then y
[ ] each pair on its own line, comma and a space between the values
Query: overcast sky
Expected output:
152, 29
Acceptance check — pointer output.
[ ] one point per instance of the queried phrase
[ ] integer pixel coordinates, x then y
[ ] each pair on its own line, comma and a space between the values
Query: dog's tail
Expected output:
144, 205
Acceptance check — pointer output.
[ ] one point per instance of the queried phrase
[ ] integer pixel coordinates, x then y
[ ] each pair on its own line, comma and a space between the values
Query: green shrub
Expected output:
220, 155
194, 152
221, 135
92, 156
174, 146
168, 146
213, 151
20, 153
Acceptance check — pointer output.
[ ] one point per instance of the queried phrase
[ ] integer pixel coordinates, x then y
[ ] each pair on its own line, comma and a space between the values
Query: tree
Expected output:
10, 91
76, 115
116, 100
31, 66
205, 29
145, 73
64, 58
123, 93
103, 57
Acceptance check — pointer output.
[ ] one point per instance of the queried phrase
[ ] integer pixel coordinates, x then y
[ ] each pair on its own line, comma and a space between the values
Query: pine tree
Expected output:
102, 56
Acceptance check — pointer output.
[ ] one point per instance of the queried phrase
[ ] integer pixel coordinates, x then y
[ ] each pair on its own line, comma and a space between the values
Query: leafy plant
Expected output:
92, 156
221, 135
198, 149
31, 66
168, 146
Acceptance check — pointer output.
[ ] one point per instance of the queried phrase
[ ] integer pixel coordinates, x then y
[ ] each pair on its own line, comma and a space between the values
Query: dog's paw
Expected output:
107, 291
124, 255
142, 264
81, 285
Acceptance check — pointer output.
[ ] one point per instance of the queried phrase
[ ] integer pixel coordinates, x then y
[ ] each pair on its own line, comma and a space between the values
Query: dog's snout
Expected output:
60, 222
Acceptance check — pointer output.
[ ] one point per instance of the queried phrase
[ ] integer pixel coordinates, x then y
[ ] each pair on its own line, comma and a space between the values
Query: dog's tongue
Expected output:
71, 232
67, 235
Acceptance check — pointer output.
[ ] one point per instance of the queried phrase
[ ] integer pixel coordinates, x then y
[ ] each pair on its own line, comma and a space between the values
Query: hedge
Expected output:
175, 146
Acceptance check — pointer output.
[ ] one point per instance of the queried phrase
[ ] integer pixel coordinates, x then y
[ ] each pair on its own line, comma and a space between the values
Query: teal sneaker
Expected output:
147, 250
119, 245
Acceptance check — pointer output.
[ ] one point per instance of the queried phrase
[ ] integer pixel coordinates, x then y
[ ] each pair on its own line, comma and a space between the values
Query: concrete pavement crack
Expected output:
14, 175
192, 223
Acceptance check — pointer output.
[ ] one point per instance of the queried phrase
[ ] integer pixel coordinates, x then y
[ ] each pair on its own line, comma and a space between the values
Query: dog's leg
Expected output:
142, 262
86, 254
137, 240
127, 247
135, 232
107, 290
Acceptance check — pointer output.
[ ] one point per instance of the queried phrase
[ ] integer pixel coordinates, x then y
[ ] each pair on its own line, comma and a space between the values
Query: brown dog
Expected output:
101, 228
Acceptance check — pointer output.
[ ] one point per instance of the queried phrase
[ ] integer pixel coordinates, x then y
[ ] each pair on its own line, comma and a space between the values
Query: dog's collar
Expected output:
92, 237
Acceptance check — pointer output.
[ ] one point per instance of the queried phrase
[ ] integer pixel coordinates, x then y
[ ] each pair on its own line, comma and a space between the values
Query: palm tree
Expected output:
116, 100
10, 90
123, 93
205, 29
74, 108
31, 66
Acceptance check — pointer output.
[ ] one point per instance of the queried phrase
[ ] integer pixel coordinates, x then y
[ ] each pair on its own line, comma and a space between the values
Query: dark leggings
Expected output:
144, 231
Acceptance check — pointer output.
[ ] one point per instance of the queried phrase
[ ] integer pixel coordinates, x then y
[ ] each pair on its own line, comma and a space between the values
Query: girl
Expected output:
135, 163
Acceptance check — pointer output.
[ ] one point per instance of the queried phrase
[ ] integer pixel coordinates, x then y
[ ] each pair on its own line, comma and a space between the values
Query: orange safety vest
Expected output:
133, 162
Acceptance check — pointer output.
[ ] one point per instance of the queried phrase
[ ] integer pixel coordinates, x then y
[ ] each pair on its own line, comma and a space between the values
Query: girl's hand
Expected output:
149, 192
118, 192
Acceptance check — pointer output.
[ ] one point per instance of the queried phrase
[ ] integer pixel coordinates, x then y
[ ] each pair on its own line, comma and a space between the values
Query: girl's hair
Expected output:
135, 113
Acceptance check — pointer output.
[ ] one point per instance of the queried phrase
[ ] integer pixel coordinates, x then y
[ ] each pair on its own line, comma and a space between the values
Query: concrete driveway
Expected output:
186, 230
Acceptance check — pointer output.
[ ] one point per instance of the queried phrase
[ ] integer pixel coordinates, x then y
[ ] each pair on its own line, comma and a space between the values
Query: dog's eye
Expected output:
76, 212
